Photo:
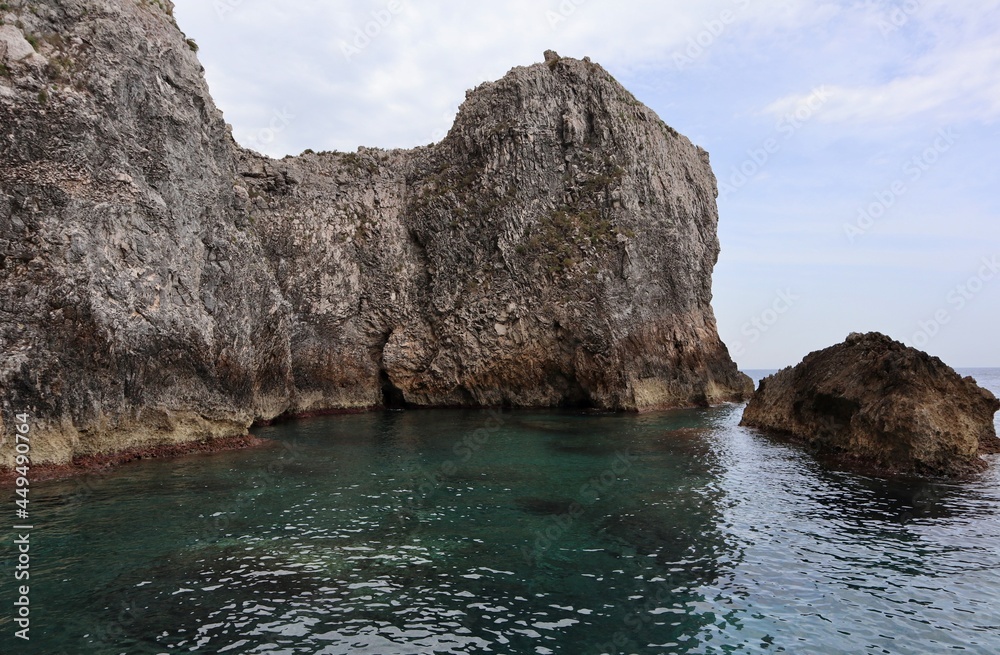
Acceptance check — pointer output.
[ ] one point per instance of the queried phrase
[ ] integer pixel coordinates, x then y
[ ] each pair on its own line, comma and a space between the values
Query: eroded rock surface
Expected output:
555, 248
880, 405
136, 304
160, 284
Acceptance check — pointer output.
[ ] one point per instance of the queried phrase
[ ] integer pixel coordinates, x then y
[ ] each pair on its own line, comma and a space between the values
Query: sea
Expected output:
507, 532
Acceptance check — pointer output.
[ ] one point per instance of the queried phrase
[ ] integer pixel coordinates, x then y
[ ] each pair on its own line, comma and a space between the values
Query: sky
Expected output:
856, 142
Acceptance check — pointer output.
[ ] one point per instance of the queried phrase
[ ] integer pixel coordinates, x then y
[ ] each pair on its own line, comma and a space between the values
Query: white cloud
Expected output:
945, 68
957, 86
332, 63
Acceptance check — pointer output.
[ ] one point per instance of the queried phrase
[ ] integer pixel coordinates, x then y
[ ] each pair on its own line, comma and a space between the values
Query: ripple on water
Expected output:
563, 532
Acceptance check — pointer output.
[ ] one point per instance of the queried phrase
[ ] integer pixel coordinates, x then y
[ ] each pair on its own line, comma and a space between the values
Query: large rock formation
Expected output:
136, 304
556, 247
877, 404
160, 284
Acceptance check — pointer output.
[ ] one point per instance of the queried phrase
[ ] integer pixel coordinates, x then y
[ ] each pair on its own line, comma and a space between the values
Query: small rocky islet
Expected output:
879, 406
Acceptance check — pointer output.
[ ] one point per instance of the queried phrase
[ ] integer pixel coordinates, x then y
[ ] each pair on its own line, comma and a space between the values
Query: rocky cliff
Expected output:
875, 404
160, 284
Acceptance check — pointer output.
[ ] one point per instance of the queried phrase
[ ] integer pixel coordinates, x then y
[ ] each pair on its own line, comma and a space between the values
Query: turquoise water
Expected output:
514, 532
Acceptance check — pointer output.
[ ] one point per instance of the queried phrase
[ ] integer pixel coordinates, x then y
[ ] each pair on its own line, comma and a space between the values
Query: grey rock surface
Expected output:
160, 284
135, 307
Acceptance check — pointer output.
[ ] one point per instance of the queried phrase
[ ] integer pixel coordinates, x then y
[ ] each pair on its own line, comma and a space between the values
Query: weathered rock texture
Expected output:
882, 406
160, 284
136, 305
556, 247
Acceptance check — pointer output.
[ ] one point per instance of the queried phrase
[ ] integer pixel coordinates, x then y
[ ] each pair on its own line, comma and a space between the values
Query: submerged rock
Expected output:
882, 406
161, 284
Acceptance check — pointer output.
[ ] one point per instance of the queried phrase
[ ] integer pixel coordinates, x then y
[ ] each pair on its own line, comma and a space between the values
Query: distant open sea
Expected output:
510, 533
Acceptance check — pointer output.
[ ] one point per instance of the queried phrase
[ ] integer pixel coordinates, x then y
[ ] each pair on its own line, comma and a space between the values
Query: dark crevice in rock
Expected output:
700, 400
466, 397
392, 396
575, 395
837, 409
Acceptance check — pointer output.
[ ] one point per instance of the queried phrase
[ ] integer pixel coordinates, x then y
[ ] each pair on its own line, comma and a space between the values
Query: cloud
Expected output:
960, 85
393, 72
385, 73
948, 75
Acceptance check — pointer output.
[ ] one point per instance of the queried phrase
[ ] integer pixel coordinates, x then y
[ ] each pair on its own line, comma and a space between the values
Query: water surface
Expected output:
512, 532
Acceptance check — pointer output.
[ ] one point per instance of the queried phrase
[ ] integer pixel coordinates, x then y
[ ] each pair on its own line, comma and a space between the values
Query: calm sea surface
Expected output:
514, 532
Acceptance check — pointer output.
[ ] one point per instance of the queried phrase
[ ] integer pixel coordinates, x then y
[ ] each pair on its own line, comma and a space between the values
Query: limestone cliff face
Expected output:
135, 303
158, 283
555, 248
